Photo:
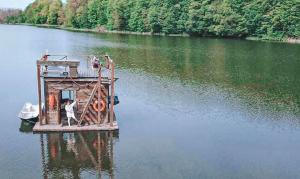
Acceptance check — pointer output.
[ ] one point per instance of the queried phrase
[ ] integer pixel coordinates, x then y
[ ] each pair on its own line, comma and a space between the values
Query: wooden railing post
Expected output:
99, 154
39, 93
112, 95
99, 95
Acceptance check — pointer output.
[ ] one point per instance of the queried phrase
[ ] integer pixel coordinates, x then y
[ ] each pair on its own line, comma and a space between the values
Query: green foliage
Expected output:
37, 12
226, 22
138, 17
97, 13
273, 18
77, 14
269, 19
119, 14
155, 15
199, 17
54, 12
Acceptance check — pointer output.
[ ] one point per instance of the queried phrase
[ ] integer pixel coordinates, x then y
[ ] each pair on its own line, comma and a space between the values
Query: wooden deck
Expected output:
72, 128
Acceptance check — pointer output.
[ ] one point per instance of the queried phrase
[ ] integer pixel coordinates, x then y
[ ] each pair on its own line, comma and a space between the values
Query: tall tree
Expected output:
138, 17
97, 12
199, 17
155, 15
54, 12
119, 14
76, 13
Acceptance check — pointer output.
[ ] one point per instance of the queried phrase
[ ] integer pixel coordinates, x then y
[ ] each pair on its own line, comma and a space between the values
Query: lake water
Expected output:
190, 108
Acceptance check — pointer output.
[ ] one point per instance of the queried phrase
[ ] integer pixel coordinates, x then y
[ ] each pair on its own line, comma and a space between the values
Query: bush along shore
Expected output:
104, 31
251, 19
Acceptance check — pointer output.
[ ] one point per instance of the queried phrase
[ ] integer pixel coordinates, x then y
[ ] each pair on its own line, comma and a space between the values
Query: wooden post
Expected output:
39, 93
45, 175
99, 95
45, 112
111, 155
112, 95
107, 61
58, 105
99, 154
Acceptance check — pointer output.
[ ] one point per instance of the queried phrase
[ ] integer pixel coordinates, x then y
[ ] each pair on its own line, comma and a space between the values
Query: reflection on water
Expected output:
263, 75
26, 127
73, 155
77, 154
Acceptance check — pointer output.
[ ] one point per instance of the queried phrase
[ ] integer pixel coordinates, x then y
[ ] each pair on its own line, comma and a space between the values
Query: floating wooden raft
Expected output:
87, 86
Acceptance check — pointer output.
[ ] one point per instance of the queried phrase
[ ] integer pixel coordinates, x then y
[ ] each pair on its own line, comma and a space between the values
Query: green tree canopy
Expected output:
275, 19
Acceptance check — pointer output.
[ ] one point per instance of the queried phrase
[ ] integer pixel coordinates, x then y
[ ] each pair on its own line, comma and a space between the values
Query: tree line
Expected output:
6, 13
274, 19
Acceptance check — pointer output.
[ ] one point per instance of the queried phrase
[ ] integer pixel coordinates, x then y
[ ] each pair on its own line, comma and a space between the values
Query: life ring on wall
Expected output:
51, 101
102, 105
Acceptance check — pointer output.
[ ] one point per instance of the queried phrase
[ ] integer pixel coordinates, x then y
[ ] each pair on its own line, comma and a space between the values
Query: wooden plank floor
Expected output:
52, 128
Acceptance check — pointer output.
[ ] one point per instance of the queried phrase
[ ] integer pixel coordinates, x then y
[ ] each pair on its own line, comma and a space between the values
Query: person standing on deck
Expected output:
70, 111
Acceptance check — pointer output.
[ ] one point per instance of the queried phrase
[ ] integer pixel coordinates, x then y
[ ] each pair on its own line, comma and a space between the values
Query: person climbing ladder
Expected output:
70, 111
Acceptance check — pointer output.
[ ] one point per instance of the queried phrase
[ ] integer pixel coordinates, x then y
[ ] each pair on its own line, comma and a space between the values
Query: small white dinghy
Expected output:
29, 113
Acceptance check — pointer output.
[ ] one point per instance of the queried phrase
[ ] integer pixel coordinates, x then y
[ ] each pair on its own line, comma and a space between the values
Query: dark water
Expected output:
190, 108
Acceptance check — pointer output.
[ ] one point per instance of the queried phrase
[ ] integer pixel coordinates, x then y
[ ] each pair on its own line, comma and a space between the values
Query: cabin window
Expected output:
67, 95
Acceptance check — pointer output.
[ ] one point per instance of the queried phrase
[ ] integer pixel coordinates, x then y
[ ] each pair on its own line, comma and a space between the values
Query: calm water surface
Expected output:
190, 108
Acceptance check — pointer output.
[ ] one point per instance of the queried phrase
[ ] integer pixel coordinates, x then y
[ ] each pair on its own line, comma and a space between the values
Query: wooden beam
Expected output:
73, 63
58, 103
46, 106
104, 80
111, 155
45, 174
112, 95
99, 154
39, 93
99, 95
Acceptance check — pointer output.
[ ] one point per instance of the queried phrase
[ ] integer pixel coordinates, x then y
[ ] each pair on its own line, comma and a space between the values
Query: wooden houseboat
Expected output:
92, 86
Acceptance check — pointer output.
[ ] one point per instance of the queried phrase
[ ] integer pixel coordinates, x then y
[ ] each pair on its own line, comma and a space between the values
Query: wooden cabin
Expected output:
92, 86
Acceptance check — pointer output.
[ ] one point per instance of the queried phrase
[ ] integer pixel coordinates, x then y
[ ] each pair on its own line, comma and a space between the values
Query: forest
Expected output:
266, 19
8, 12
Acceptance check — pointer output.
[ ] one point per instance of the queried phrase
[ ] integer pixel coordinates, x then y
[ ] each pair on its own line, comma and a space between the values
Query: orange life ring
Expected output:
51, 101
102, 106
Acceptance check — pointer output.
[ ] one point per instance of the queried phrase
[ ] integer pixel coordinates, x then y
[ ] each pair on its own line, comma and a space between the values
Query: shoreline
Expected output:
102, 31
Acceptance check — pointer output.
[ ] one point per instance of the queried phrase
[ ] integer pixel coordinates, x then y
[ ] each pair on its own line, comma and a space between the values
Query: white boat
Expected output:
29, 112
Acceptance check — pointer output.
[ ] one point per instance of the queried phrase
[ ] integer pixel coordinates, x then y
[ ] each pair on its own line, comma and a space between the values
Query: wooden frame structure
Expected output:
94, 93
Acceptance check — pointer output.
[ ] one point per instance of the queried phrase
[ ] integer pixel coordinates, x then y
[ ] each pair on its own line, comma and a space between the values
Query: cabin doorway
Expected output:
66, 95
